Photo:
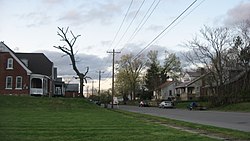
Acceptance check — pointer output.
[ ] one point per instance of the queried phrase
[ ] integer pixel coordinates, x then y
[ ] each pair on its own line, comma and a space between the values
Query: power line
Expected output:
183, 18
122, 22
119, 29
142, 23
130, 23
165, 29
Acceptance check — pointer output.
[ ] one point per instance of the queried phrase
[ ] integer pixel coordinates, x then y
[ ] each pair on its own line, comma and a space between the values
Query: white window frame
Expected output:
10, 63
20, 83
7, 82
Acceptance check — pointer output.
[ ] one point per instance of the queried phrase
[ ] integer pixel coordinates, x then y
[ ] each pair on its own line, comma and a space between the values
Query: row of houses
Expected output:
193, 85
31, 74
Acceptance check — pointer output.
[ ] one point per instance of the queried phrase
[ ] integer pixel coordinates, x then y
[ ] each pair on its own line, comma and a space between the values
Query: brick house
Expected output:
25, 73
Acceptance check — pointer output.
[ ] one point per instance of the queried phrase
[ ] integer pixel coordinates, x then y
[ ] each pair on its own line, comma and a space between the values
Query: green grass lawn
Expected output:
59, 119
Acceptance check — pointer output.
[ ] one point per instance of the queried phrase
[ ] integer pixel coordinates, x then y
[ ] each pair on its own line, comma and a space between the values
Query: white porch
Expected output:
39, 84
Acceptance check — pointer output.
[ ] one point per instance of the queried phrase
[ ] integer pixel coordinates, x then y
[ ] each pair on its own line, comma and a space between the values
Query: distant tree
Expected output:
171, 68
240, 56
129, 69
69, 51
223, 58
241, 44
152, 77
210, 50
122, 83
105, 97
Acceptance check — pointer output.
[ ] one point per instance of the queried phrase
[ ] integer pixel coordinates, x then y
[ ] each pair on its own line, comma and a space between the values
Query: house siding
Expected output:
165, 91
17, 70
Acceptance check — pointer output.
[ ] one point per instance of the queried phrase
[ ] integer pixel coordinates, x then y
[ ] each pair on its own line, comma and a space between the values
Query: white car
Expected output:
166, 104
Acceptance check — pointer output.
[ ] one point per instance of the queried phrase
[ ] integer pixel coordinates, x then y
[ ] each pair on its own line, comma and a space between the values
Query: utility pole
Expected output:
99, 91
87, 91
92, 88
113, 76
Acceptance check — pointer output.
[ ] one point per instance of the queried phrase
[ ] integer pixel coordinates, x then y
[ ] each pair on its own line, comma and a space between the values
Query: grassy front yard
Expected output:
59, 119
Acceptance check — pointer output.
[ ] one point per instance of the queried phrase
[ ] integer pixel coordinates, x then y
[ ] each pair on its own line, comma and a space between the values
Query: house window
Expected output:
8, 82
36, 83
10, 63
19, 82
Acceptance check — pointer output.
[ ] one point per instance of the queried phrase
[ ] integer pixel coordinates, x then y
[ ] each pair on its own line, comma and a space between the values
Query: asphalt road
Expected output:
231, 120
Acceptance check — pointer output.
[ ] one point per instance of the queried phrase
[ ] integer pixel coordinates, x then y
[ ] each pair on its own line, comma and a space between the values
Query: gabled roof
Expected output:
194, 74
167, 83
184, 84
5, 48
187, 84
38, 63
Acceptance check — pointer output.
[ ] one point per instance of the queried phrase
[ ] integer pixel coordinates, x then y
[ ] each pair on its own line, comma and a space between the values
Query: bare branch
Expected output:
73, 40
86, 71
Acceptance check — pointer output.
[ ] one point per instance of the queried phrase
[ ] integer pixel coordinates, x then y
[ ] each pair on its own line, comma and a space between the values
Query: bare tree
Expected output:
69, 51
226, 54
210, 50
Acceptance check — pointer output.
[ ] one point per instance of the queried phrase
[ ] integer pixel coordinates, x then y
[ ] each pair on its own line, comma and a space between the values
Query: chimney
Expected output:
55, 73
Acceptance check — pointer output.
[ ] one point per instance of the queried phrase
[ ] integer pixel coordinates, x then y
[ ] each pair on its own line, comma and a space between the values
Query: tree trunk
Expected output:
81, 87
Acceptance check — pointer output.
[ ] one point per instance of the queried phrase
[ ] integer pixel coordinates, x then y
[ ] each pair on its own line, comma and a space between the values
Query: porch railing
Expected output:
36, 91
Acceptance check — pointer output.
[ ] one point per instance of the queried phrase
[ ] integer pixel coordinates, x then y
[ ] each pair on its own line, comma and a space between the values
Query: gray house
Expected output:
190, 88
167, 90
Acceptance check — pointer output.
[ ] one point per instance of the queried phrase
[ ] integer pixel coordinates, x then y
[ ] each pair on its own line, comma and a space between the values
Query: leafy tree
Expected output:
129, 70
105, 97
157, 74
240, 56
241, 44
122, 84
152, 77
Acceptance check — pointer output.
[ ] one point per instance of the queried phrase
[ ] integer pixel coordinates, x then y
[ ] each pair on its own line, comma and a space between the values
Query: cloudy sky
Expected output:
31, 26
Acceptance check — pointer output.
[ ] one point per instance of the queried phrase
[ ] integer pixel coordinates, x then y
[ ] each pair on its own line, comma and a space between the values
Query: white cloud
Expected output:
64, 66
100, 12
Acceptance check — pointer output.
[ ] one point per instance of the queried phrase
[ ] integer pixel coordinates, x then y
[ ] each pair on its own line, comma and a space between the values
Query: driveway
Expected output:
231, 120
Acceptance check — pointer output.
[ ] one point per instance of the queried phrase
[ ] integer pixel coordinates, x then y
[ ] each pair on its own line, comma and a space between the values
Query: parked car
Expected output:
166, 104
143, 104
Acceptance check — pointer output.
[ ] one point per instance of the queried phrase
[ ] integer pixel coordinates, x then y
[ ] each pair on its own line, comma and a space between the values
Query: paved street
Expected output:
231, 120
